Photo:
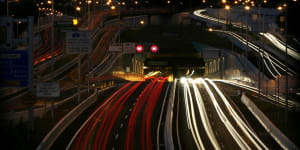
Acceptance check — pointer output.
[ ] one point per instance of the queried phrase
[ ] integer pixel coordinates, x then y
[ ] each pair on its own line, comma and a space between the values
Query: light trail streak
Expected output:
135, 111
93, 120
249, 133
242, 144
204, 117
192, 119
110, 118
281, 45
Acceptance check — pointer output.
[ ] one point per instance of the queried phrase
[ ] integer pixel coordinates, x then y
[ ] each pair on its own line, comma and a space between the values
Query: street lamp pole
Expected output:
286, 66
52, 55
89, 47
247, 9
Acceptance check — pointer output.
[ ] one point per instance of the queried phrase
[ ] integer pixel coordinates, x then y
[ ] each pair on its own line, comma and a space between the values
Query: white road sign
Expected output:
48, 89
115, 48
77, 42
129, 47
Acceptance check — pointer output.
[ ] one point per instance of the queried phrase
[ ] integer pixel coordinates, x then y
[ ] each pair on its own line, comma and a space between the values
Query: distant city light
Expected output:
142, 22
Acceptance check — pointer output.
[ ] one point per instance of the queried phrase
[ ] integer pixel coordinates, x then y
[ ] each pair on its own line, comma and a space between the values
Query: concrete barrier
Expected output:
277, 135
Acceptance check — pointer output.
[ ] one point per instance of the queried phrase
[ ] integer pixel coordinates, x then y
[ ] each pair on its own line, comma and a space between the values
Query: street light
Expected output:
142, 22
78, 8
210, 29
247, 8
113, 7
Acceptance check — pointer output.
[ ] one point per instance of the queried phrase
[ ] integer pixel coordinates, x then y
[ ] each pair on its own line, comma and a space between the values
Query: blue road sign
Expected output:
14, 68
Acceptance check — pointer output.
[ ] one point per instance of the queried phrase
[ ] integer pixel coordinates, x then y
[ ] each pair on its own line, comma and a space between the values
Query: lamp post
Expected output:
280, 8
52, 52
286, 66
247, 8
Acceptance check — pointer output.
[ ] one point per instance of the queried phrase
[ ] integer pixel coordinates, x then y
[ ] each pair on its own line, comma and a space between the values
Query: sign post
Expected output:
78, 42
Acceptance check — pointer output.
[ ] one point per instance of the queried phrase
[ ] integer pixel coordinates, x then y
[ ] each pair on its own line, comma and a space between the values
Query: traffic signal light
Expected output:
146, 48
139, 48
154, 48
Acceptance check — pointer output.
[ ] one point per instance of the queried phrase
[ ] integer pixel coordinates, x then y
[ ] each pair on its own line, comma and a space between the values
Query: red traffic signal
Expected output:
139, 48
154, 48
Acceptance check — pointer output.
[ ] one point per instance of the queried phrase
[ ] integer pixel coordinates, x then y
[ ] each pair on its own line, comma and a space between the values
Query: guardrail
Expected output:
15, 117
277, 135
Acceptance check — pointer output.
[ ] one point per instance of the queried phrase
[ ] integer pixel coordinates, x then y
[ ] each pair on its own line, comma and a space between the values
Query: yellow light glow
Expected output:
136, 2
78, 8
279, 8
49, 2
210, 29
75, 22
113, 7
223, 1
247, 7
142, 22
227, 7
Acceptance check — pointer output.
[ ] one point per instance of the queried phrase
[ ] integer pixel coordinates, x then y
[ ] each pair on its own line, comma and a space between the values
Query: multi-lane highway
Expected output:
156, 114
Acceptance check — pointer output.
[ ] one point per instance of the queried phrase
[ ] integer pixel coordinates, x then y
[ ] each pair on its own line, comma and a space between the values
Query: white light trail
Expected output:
193, 124
240, 141
280, 45
204, 118
249, 133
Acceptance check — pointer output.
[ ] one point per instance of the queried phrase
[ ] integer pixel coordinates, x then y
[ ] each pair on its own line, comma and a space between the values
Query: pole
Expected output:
120, 24
89, 48
7, 11
247, 40
52, 57
79, 66
286, 68
259, 65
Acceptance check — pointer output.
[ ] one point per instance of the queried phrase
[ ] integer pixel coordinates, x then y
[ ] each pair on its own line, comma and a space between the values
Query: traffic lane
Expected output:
230, 118
84, 140
202, 131
142, 126
222, 135
185, 136
117, 137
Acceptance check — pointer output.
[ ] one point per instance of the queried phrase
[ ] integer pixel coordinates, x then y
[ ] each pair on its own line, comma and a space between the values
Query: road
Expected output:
127, 120
135, 117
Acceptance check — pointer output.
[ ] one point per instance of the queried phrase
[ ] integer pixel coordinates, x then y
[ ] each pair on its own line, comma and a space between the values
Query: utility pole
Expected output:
286, 67
52, 55
89, 29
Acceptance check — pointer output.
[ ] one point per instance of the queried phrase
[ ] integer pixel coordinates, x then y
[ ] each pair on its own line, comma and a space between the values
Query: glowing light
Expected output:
247, 7
142, 22
154, 48
227, 7
75, 22
139, 48
113, 7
